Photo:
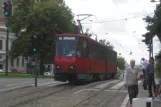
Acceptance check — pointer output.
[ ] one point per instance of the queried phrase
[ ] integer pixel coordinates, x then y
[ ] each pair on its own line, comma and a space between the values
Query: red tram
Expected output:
80, 58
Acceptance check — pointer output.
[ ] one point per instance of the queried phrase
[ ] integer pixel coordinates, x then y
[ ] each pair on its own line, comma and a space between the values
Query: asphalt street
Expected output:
13, 83
56, 94
50, 93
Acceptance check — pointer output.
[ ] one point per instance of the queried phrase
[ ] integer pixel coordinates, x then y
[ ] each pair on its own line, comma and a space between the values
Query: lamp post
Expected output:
155, 1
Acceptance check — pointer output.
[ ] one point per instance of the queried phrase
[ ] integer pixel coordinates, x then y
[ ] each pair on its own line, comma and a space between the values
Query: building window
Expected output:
1, 66
17, 62
23, 62
1, 44
12, 60
1, 56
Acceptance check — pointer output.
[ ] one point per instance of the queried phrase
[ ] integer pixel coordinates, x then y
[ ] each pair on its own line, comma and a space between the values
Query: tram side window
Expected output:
112, 58
109, 56
90, 50
79, 53
102, 54
84, 48
98, 52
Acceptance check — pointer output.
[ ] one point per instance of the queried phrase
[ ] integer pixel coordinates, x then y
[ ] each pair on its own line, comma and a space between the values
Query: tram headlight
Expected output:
71, 67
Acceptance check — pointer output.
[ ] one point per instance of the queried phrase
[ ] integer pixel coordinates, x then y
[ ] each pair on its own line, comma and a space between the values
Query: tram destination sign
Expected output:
66, 38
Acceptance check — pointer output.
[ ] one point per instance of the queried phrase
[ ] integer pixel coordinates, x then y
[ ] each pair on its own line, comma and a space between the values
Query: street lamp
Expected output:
155, 1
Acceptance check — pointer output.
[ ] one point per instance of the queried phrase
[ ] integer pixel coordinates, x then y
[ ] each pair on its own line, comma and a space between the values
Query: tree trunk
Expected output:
42, 63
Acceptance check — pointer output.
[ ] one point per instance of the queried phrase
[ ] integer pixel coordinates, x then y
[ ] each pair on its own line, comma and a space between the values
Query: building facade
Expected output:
17, 63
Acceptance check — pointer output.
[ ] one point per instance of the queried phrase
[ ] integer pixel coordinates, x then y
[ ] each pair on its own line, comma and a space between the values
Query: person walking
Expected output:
149, 73
157, 78
144, 64
131, 81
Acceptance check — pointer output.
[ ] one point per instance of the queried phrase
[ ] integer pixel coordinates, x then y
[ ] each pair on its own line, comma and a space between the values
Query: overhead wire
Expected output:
120, 19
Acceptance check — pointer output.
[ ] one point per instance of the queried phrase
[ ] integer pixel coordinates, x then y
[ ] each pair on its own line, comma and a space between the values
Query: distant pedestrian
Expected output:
144, 64
157, 76
150, 76
131, 81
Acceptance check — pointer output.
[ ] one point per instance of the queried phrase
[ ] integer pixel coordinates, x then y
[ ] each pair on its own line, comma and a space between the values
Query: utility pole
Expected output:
7, 38
35, 55
7, 13
152, 46
79, 20
35, 71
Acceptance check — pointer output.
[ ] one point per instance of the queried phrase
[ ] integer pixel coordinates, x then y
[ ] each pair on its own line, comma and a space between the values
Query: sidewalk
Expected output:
144, 93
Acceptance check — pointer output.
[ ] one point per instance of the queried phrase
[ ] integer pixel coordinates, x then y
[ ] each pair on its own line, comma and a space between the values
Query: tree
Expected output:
121, 63
106, 43
154, 24
41, 21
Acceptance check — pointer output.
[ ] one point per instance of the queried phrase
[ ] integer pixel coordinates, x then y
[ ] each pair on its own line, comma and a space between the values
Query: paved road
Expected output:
94, 94
10, 83
50, 93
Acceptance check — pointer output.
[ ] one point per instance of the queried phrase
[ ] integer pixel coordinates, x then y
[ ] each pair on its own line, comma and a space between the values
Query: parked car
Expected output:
48, 74
1, 70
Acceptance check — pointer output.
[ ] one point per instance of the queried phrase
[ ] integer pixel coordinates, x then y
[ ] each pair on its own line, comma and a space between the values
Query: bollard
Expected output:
142, 102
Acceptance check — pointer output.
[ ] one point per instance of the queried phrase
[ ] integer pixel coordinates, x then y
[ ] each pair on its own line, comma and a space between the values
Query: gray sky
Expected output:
125, 35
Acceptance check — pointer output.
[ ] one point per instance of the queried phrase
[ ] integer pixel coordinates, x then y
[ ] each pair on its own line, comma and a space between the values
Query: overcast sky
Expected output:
124, 35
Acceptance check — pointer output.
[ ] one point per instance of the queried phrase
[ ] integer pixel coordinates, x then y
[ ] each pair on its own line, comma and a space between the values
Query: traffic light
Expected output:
34, 49
7, 9
144, 40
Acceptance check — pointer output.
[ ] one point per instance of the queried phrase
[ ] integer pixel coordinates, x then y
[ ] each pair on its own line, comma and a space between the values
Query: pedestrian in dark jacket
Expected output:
150, 76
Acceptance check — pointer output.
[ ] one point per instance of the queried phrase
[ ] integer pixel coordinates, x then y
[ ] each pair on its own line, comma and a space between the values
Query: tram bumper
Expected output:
64, 75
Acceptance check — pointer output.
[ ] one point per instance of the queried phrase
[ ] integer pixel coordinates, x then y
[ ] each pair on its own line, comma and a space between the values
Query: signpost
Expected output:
7, 13
35, 65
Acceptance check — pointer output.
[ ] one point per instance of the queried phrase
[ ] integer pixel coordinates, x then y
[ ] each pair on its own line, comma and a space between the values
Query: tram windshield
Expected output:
66, 46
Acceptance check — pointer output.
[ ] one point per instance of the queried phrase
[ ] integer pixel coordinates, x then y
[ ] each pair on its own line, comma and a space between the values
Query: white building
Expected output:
17, 63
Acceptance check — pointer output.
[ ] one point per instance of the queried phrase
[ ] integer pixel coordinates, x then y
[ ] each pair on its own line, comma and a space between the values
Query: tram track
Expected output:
113, 97
85, 102
25, 98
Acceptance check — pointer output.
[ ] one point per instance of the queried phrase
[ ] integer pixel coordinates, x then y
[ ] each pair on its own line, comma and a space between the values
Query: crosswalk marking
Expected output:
124, 91
24, 83
47, 83
117, 86
106, 84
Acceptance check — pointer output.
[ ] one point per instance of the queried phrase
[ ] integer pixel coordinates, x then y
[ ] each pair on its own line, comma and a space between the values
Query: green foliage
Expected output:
106, 43
41, 21
154, 24
121, 63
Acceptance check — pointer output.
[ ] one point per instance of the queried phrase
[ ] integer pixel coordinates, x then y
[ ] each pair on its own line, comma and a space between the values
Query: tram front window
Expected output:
66, 46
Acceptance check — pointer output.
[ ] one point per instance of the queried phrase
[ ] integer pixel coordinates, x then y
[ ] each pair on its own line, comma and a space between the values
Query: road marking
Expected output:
24, 83
117, 86
86, 90
127, 99
18, 83
78, 91
13, 88
124, 91
106, 84
47, 83
92, 89
51, 85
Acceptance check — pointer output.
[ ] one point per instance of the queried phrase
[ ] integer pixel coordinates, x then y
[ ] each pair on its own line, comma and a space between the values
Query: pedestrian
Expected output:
157, 78
131, 81
149, 73
144, 64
